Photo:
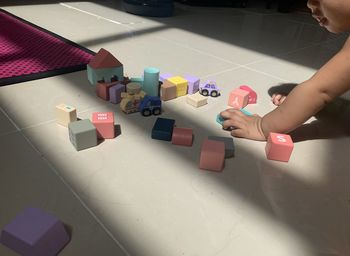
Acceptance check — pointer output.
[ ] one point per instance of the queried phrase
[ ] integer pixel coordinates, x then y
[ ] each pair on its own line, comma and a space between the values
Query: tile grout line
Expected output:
10, 119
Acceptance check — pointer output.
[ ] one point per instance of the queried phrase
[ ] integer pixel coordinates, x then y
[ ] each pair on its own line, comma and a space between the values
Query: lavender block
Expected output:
115, 93
193, 84
34, 232
164, 76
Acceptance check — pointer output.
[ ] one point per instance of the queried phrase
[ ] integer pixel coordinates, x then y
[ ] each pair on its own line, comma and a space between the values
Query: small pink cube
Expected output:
252, 96
182, 136
104, 123
212, 155
279, 147
238, 98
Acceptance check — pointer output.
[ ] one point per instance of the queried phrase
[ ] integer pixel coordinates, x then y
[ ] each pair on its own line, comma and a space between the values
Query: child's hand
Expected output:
248, 127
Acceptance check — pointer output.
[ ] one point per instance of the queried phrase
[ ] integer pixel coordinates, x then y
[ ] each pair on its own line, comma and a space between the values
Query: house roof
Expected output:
104, 59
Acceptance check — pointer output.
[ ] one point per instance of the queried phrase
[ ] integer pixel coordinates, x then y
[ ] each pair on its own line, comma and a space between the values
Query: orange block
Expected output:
104, 123
238, 98
182, 136
212, 155
279, 147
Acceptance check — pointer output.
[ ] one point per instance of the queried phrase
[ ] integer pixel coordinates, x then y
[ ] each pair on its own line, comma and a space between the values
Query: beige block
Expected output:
65, 114
197, 100
167, 91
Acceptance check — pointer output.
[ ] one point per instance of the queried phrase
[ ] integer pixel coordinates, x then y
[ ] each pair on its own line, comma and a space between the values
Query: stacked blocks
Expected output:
115, 93
82, 134
238, 98
163, 129
229, 145
193, 84
180, 83
65, 114
151, 81
279, 147
102, 90
34, 232
182, 136
167, 91
212, 155
196, 100
252, 96
164, 76
104, 123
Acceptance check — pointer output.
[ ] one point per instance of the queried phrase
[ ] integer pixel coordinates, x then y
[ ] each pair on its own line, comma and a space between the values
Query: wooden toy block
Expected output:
115, 93
151, 81
279, 147
164, 76
82, 134
180, 83
102, 89
193, 84
132, 98
104, 67
35, 232
104, 123
212, 157
229, 145
167, 91
163, 129
252, 97
65, 114
238, 98
197, 100
182, 136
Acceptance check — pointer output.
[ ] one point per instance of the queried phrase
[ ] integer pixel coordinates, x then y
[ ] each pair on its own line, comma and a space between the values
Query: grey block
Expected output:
82, 134
229, 145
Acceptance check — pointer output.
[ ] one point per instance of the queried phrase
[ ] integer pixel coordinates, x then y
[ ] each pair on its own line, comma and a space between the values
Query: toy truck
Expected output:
150, 105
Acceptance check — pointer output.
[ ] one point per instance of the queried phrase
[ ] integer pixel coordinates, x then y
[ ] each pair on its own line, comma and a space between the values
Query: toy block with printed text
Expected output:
104, 123
163, 129
182, 136
238, 98
35, 232
252, 97
65, 114
197, 100
279, 147
82, 134
212, 156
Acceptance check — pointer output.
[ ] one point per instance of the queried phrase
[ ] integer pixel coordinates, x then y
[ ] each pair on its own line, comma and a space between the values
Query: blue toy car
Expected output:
209, 88
150, 105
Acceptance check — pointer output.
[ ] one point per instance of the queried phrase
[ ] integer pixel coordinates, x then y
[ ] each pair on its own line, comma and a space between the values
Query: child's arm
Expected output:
332, 80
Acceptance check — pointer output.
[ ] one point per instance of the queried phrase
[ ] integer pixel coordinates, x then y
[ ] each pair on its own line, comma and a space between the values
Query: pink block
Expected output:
182, 136
252, 96
279, 147
238, 98
104, 123
212, 155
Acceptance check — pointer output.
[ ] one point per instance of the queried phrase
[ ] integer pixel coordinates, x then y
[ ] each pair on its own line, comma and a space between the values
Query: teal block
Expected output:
151, 81
246, 112
82, 134
106, 74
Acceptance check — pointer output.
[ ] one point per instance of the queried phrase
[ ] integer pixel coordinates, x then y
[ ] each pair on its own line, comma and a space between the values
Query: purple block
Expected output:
193, 84
115, 93
164, 76
34, 232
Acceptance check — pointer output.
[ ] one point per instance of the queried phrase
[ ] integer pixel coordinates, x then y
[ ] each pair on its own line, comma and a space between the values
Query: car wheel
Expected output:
205, 92
146, 112
214, 94
156, 111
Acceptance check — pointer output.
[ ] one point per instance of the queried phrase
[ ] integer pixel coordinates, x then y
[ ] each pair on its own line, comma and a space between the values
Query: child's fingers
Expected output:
230, 113
238, 133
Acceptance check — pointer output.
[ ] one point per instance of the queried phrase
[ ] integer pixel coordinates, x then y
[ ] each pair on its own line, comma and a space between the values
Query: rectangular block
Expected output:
279, 147
82, 134
163, 129
115, 93
238, 98
193, 84
212, 156
102, 89
65, 114
104, 123
197, 100
167, 91
182, 136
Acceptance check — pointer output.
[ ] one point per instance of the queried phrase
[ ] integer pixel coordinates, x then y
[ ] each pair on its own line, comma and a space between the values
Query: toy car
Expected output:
150, 105
209, 88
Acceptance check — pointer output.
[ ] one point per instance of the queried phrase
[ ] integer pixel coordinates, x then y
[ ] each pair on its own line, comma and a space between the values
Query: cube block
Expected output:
82, 134
279, 147
252, 96
102, 89
104, 123
180, 83
238, 98
193, 84
34, 232
197, 100
164, 76
167, 91
65, 114
163, 129
229, 145
182, 136
212, 156
115, 93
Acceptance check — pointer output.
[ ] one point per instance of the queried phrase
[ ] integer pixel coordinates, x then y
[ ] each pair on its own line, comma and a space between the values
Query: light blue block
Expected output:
151, 81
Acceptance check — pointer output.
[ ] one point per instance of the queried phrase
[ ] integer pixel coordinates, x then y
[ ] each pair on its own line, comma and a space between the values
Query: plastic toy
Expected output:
229, 145
182, 136
82, 134
163, 129
238, 98
197, 100
209, 89
65, 114
35, 232
212, 155
252, 96
104, 123
132, 98
150, 105
193, 84
279, 147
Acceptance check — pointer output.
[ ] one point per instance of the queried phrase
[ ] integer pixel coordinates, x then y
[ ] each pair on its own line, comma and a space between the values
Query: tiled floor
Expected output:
137, 196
